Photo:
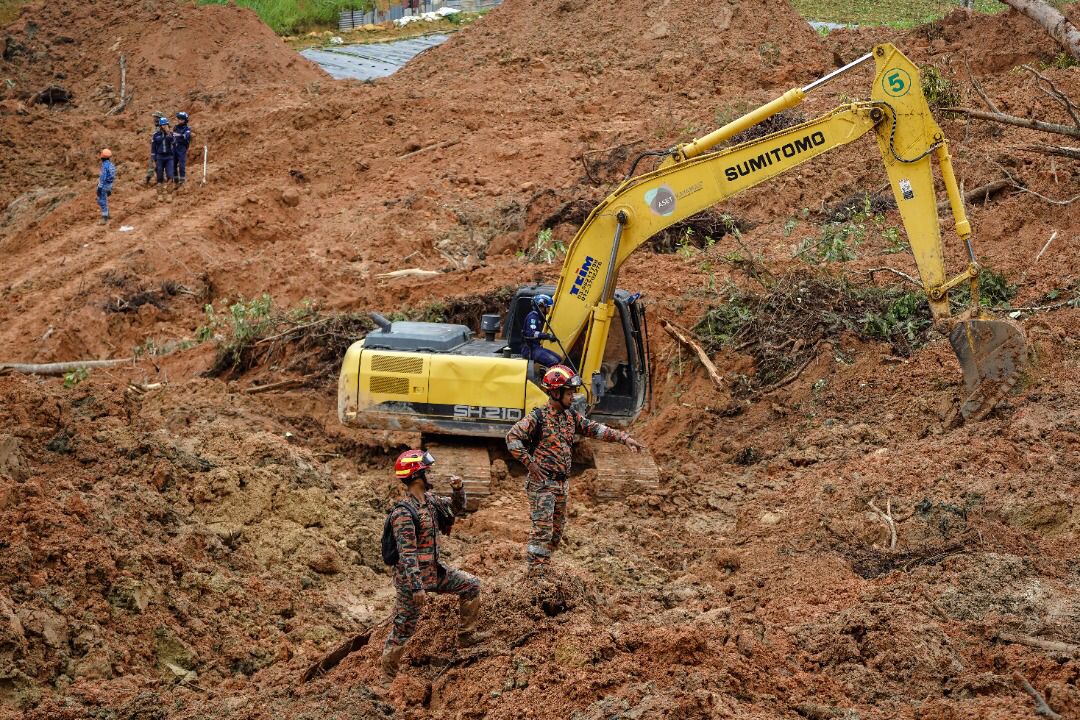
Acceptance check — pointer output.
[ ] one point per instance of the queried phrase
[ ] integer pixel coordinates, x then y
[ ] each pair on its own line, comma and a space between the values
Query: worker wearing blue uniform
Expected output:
162, 152
105, 183
181, 143
532, 333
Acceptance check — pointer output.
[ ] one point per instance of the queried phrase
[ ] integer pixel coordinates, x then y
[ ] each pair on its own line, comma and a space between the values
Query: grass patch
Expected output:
893, 14
872, 12
292, 16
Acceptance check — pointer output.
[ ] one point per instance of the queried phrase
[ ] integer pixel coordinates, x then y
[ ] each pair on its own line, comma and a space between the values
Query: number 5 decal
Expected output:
896, 82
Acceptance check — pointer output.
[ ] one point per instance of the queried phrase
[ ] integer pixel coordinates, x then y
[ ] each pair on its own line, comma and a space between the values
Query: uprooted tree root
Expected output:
875, 562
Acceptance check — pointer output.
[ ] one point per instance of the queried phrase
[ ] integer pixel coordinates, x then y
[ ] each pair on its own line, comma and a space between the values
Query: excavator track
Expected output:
621, 472
992, 354
470, 462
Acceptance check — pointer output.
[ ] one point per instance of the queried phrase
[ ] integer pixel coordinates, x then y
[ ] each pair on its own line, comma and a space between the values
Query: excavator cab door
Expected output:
624, 374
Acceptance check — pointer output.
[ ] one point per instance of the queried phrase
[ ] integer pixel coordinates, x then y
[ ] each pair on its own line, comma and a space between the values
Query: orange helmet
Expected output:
105, 154
559, 377
411, 462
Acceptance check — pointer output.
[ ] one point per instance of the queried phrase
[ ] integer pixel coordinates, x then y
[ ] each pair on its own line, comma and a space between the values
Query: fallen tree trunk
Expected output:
980, 193
282, 385
1018, 121
1059, 150
332, 659
683, 337
1051, 20
62, 367
1052, 646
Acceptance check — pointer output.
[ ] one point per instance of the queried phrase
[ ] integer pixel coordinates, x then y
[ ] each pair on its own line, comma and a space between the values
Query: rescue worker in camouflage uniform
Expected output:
542, 441
418, 570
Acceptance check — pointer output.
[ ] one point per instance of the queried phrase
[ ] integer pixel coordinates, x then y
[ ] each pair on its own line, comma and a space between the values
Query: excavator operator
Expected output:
532, 333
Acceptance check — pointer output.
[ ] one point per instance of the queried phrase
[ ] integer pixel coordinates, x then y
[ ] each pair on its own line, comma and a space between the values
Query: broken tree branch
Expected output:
1052, 236
331, 659
295, 328
1052, 201
980, 193
1052, 646
59, 368
685, 337
1052, 21
1047, 86
904, 275
1059, 150
794, 375
433, 146
143, 388
124, 97
888, 519
978, 89
407, 272
282, 385
1041, 708
1017, 121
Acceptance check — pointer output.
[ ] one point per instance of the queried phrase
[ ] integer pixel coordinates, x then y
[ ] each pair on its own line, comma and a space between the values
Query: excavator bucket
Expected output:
992, 354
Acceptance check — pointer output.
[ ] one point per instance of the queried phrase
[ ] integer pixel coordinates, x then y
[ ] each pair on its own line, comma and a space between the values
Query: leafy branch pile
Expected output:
783, 327
308, 341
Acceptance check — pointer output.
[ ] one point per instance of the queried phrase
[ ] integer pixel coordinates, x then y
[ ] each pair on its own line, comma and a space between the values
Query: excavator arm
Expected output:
692, 178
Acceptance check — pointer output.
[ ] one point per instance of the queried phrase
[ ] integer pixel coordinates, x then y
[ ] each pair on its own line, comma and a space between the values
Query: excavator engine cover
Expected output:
992, 353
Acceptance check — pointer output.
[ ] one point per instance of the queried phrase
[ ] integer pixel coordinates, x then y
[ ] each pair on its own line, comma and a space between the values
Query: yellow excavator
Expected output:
437, 379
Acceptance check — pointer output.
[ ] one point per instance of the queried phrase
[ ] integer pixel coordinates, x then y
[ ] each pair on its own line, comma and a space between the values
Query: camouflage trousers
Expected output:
547, 510
406, 612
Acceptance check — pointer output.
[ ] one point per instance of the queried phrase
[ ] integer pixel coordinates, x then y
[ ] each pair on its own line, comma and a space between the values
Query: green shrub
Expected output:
237, 325
545, 249
939, 90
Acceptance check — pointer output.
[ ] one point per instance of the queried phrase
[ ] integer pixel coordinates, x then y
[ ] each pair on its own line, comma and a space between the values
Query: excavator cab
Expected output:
620, 388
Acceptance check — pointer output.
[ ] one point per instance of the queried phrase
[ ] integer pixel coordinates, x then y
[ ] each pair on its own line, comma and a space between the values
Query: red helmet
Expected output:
559, 377
411, 462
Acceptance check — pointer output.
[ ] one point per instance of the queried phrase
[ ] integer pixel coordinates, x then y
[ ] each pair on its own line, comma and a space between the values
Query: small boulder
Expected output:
325, 562
290, 197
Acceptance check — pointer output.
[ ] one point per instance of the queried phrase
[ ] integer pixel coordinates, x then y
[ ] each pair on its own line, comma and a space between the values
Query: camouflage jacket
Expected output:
553, 451
418, 547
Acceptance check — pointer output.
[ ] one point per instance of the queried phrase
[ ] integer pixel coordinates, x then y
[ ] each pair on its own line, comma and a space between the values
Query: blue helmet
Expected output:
181, 116
163, 121
542, 302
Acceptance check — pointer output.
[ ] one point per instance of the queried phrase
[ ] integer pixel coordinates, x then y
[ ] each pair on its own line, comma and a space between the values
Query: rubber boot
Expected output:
391, 657
470, 617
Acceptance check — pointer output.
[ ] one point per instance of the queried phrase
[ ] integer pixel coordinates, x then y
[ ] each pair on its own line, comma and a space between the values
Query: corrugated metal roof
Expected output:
375, 60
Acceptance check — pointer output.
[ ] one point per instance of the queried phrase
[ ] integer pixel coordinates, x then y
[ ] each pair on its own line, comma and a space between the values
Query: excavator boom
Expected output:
991, 351
439, 380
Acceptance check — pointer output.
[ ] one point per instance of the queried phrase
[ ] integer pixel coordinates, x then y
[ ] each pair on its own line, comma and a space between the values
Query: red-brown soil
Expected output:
187, 552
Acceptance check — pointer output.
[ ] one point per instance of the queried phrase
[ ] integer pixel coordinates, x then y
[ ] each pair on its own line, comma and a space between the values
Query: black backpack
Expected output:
538, 431
444, 522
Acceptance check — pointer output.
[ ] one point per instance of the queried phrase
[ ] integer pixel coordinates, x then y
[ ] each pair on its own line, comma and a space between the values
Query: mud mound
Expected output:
715, 46
179, 57
153, 550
